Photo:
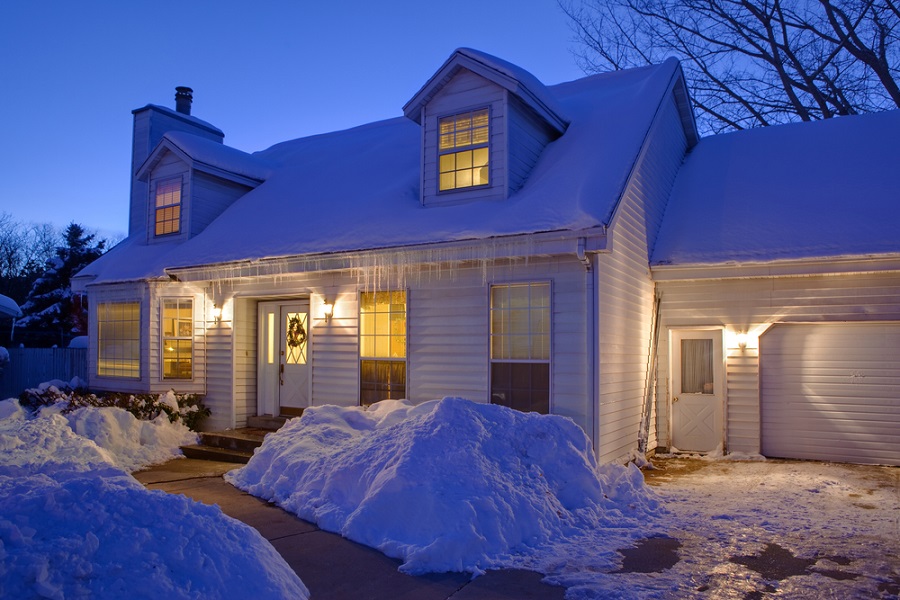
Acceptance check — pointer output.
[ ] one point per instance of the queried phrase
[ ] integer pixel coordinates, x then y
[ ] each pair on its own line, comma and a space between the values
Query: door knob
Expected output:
675, 399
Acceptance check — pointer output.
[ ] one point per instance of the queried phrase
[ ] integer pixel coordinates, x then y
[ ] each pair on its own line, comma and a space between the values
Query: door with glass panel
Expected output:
283, 374
697, 374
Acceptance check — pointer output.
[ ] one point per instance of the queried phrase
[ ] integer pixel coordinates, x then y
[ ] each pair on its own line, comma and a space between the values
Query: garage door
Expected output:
831, 392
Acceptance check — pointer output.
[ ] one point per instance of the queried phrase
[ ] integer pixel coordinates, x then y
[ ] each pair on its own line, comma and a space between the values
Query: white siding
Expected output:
209, 197
465, 91
246, 330
625, 293
528, 136
158, 293
752, 305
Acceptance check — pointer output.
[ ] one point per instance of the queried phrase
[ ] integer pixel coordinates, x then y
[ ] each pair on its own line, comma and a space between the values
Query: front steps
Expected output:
234, 445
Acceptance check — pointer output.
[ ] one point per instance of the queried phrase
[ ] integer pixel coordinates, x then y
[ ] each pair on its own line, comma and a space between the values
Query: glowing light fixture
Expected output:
217, 313
742, 340
327, 309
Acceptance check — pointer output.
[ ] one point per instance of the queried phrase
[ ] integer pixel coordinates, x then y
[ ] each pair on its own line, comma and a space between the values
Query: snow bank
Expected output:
447, 485
74, 525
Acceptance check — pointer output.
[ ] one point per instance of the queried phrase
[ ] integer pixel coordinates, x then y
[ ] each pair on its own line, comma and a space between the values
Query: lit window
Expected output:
177, 338
520, 346
168, 206
464, 156
119, 339
382, 346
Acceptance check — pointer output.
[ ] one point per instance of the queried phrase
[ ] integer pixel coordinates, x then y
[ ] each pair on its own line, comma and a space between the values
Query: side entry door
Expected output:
697, 406
283, 376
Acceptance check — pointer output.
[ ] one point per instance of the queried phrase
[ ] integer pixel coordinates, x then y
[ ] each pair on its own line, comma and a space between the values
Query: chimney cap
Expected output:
184, 96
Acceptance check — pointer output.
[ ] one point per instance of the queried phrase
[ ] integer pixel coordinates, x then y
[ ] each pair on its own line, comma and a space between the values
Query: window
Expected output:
119, 339
464, 156
520, 346
168, 206
382, 346
177, 338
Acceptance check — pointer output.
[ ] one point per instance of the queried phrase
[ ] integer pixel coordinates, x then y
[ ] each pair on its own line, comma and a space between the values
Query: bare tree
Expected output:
751, 63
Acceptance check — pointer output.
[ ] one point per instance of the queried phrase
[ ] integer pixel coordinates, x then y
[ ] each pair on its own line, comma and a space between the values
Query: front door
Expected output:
283, 375
697, 390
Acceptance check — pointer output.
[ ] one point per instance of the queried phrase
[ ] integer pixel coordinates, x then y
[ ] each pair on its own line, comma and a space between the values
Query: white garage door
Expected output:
831, 392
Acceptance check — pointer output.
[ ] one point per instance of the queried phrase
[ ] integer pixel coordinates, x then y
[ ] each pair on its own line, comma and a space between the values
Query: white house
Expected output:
503, 241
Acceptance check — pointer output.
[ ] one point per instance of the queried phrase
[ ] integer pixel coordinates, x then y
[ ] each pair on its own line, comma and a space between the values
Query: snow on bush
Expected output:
73, 525
448, 485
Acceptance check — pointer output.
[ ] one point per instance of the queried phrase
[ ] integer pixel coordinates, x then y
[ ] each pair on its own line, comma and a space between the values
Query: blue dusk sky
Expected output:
263, 72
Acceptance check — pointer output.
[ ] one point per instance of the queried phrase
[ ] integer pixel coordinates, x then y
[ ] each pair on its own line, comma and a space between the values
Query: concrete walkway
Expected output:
333, 567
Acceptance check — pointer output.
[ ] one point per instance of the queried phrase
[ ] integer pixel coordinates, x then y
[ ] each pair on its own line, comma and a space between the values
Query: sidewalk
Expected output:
333, 567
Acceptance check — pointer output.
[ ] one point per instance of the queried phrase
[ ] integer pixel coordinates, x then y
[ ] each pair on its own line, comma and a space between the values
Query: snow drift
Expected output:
448, 485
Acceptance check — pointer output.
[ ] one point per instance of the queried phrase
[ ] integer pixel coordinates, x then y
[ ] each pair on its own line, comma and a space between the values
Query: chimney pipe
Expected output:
183, 98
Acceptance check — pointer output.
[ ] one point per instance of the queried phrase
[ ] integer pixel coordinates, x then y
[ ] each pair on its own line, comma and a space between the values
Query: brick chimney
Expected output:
183, 98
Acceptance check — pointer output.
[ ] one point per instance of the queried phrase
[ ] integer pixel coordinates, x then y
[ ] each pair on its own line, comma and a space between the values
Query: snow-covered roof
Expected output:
183, 117
808, 190
203, 152
358, 189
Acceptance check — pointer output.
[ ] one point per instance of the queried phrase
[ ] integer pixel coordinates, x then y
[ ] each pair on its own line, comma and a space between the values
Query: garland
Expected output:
296, 334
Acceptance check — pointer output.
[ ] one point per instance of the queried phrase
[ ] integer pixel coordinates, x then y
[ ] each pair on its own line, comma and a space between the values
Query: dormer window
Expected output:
168, 206
464, 150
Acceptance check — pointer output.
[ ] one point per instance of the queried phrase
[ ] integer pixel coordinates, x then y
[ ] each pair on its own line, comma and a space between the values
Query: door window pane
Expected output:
697, 367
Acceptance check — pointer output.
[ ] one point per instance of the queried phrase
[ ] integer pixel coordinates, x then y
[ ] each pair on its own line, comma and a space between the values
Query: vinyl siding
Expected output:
625, 292
528, 136
209, 197
752, 305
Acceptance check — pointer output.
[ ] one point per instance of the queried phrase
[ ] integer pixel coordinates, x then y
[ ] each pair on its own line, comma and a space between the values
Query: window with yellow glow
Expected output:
119, 339
168, 206
177, 338
382, 346
464, 153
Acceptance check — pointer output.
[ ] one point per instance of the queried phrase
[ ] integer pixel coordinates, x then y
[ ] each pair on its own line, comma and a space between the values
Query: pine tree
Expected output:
53, 314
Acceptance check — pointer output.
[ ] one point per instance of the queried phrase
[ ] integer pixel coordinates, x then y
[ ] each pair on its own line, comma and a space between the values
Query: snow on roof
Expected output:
807, 190
220, 156
181, 116
358, 189
8, 307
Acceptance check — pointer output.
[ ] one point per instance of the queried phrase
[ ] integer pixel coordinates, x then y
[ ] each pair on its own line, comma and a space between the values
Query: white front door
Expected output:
283, 374
697, 405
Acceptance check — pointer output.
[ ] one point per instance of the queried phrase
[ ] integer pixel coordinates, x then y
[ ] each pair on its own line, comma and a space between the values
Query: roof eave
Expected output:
833, 265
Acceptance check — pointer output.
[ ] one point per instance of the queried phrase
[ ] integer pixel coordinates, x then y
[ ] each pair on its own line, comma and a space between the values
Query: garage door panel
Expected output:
831, 392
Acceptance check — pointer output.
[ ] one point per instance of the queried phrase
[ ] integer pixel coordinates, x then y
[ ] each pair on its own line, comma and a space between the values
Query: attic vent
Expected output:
183, 98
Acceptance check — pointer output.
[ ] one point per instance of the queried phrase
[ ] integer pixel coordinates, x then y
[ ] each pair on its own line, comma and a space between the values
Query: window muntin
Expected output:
168, 206
464, 153
177, 338
119, 339
382, 346
520, 346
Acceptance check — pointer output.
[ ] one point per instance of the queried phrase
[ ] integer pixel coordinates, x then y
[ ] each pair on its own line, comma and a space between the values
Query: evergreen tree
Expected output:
53, 314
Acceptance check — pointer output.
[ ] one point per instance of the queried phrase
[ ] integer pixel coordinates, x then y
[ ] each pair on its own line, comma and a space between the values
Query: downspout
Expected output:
591, 339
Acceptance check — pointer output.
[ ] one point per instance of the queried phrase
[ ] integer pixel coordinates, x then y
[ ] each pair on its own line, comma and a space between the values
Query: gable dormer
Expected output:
485, 123
191, 180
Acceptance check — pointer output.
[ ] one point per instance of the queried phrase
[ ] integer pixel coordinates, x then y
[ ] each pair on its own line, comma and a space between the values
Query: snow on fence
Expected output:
29, 367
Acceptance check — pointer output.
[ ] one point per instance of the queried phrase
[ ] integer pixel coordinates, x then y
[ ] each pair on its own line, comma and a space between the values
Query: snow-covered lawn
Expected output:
75, 524
445, 485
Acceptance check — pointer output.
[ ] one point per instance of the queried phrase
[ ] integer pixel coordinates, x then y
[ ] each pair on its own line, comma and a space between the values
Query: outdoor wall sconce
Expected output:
217, 313
742, 340
327, 309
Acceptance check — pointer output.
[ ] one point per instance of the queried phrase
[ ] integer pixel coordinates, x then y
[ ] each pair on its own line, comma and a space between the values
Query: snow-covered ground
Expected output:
454, 485
75, 524
445, 485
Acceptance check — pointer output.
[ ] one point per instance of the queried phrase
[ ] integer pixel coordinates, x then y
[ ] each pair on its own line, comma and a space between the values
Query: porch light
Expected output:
217, 313
742, 340
327, 309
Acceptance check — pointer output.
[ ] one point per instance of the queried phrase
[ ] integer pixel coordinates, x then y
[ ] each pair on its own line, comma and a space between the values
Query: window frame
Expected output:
177, 207
163, 338
392, 362
125, 366
457, 150
541, 367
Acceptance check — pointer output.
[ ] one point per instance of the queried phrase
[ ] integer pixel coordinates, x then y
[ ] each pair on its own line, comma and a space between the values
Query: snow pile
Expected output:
73, 525
448, 485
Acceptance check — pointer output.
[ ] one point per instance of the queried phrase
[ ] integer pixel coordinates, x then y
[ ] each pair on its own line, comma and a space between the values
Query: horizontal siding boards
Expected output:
831, 392
528, 136
754, 304
246, 330
210, 196
219, 392
626, 292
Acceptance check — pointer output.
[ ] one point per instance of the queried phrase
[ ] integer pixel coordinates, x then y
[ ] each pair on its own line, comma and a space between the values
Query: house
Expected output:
503, 241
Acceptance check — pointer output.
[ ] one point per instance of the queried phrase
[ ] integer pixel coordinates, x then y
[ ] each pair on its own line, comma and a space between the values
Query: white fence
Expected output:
29, 367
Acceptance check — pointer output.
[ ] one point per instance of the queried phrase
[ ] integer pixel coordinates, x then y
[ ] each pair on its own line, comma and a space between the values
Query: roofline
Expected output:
834, 265
153, 159
502, 247
182, 117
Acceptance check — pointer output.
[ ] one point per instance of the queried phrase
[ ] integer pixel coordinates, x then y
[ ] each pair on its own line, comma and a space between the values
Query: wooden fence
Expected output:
29, 367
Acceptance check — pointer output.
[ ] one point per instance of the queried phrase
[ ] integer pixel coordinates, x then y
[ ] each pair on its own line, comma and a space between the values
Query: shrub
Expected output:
187, 408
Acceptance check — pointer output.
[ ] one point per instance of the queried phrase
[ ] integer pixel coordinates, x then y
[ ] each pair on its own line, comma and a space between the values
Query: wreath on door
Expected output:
296, 333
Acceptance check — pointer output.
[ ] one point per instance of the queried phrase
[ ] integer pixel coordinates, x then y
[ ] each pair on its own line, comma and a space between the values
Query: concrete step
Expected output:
266, 422
203, 452
245, 440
